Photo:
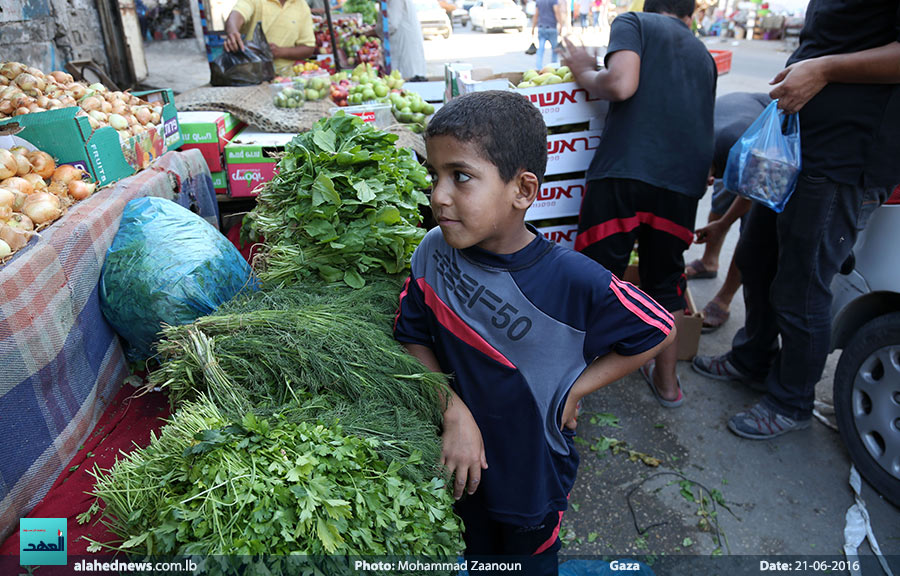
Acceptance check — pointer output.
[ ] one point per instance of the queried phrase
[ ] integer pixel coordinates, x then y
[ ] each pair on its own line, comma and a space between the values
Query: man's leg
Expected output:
667, 228
816, 232
755, 345
606, 224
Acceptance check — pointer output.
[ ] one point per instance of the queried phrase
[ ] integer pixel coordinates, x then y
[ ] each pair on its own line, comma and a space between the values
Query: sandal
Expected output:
696, 270
713, 317
647, 372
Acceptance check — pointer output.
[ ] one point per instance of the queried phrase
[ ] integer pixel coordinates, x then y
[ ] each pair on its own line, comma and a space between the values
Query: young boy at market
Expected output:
525, 327
651, 166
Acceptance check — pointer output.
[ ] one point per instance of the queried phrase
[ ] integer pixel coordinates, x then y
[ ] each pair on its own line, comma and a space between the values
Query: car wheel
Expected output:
867, 403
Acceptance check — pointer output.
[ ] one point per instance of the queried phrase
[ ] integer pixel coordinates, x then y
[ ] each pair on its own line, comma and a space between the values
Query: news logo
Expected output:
42, 541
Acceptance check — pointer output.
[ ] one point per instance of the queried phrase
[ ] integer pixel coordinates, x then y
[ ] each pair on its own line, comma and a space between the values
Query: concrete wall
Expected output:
48, 33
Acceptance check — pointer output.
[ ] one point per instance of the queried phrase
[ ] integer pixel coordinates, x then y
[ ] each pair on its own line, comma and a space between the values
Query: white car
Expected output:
497, 15
866, 326
433, 18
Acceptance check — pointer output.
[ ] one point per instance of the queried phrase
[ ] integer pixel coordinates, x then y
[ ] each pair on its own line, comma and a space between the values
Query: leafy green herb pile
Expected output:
367, 8
208, 485
344, 204
302, 427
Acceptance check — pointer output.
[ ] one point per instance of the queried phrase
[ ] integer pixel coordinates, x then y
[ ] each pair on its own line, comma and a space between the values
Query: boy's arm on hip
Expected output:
607, 369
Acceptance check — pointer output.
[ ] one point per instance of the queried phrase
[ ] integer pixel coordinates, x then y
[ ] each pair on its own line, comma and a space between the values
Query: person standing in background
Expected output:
548, 14
849, 53
405, 36
647, 188
584, 13
287, 25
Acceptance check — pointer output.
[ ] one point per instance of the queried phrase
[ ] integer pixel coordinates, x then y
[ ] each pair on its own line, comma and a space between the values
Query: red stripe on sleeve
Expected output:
452, 322
634, 309
400, 304
630, 289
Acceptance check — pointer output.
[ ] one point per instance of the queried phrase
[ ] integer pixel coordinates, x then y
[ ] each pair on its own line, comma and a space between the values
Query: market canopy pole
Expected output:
334, 46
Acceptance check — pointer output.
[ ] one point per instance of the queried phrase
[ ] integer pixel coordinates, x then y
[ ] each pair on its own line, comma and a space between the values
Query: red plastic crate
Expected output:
723, 60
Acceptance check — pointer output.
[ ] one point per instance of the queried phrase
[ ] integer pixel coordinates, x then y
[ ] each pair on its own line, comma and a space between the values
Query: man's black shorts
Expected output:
616, 212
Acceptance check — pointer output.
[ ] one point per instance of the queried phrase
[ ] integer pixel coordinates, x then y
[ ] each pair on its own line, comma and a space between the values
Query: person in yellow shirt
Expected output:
287, 25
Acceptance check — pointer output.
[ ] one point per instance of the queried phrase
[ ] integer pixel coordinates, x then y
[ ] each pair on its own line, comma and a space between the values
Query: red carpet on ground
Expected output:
129, 420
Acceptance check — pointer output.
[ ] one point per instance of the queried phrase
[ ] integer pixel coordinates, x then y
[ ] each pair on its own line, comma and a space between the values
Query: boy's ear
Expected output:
527, 189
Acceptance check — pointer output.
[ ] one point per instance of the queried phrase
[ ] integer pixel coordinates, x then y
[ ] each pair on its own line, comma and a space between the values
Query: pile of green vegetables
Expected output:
345, 204
367, 8
302, 428
211, 486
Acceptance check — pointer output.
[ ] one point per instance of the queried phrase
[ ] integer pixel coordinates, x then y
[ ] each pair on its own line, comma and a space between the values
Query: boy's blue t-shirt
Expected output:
516, 331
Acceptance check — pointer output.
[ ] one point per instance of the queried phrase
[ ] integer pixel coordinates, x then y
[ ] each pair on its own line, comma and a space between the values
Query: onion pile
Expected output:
24, 90
31, 199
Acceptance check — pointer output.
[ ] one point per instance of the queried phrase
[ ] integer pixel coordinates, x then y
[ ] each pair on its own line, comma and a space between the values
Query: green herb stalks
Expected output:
345, 204
208, 485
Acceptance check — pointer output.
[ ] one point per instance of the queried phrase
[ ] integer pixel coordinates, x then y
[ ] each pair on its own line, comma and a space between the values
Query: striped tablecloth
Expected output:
60, 361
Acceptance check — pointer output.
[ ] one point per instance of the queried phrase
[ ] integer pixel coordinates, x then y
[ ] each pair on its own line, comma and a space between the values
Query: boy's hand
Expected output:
570, 412
712, 232
463, 449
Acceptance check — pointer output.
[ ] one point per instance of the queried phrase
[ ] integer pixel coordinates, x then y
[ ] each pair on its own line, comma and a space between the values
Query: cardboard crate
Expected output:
71, 140
566, 103
220, 181
571, 152
563, 233
557, 200
208, 132
250, 159
689, 323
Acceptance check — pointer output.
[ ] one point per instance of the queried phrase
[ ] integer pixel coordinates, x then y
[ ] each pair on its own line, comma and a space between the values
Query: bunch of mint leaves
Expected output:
344, 204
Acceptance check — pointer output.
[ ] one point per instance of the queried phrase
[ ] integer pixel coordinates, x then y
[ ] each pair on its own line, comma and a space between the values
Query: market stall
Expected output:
62, 361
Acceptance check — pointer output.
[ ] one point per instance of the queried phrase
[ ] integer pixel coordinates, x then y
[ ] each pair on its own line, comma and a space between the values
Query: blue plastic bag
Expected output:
763, 165
166, 265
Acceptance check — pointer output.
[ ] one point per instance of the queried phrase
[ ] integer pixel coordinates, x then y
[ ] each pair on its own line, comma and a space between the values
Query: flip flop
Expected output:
700, 271
713, 317
647, 372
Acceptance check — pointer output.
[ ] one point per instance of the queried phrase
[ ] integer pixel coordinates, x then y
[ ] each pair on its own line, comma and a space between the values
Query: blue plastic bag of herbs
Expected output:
166, 265
763, 165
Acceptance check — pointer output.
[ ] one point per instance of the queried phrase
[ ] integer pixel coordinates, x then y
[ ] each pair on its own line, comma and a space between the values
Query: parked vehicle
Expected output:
433, 18
866, 326
456, 14
492, 15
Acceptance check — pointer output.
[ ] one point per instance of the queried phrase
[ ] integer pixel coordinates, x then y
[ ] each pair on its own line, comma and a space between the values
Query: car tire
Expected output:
867, 403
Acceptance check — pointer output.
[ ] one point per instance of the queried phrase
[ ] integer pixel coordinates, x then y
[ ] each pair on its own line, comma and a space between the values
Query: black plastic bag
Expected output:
531, 49
252, 66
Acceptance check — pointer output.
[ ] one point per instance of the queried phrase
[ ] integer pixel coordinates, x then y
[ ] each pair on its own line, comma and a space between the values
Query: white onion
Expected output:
8, 164
79, 189
42, 207
20, 221
5, 250
24, 166
20, 184
7, 198
15, 238
37, 182
43, 163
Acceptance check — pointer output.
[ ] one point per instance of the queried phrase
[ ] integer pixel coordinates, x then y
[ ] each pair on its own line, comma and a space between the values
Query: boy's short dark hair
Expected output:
506, 126
680, 8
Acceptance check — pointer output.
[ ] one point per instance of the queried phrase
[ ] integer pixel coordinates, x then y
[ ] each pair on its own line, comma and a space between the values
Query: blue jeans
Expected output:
547, 35
787, 262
